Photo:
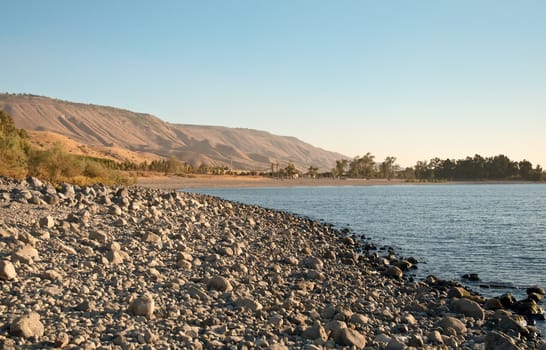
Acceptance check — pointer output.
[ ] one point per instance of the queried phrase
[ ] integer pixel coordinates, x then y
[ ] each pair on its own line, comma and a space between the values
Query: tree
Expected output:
387, 167
362, 167
312, 171
291, 170
341, 166
14, 148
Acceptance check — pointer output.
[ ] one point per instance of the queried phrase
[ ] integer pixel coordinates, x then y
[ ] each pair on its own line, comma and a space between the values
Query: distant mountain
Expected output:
210, 145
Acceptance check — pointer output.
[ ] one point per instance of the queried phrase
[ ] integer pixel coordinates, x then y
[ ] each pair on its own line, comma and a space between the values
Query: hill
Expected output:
115, 128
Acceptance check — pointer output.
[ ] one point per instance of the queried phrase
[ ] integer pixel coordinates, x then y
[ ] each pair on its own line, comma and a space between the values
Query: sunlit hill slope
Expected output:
114, 129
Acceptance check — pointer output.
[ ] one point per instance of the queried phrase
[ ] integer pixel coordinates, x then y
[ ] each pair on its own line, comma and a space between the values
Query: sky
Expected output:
409, 79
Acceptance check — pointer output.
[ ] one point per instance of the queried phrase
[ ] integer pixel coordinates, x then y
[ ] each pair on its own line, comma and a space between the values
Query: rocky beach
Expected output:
103, 267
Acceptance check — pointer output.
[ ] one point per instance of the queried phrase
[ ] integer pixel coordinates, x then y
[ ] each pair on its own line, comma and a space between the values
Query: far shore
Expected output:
231, 181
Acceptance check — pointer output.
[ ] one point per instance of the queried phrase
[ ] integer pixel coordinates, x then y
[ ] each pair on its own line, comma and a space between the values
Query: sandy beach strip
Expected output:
230, 181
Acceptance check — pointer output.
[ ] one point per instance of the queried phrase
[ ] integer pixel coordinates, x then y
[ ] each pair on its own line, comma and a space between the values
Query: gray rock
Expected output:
469, 308
248, 303
316, 331
435, 337
395, 344
495, 340
143, 305
312, 262
27, 326
47, 222
349, 337
394, 271
219, 283
493, 304
51, 275
452, 323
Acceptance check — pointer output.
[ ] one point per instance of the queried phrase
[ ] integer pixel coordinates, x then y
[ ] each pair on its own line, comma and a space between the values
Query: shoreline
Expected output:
142, 266
233, 181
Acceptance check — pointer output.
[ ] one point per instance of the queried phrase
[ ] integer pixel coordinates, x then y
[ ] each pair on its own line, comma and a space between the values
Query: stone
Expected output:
416, 341
359, 319
46, 222
493, 304
115, 210
248, 303
7, 270
143, 305
435, 337
219, 283
349, 337
27, 254
507, 300
61, 340
496, 340
316, 331
469, 308
536, 290
395, 344
184, 264
98, 236
150, 237
312, 262
27, 326
51, 275
394, 271
115, 256
451, 322
458, 292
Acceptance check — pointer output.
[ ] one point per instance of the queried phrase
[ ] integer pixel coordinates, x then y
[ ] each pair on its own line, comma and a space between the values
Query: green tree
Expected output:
340, 169
387, 167
312, 171
362, 167
14, 148
290, 170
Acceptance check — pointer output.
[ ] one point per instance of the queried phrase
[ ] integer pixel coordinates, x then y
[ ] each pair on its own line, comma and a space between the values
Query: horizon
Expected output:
409, 80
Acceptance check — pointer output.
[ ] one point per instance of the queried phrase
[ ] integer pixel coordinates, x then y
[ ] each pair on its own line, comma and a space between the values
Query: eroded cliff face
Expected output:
211, 145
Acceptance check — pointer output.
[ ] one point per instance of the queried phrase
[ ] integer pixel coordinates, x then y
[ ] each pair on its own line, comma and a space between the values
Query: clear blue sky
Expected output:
411, 79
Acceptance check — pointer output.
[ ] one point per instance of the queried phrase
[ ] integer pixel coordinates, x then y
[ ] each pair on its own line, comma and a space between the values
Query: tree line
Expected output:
474, 168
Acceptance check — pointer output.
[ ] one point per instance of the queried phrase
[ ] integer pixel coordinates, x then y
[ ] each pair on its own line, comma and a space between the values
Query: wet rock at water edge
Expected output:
474, 277
495, 340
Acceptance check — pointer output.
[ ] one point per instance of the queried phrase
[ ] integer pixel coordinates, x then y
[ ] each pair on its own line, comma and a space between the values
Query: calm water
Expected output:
497, 231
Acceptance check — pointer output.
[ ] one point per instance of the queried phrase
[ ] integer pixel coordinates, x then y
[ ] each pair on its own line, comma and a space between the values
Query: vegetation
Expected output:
19, 159
475, 168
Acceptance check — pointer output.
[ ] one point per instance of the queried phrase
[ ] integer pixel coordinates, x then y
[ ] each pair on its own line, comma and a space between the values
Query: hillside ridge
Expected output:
95, 125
